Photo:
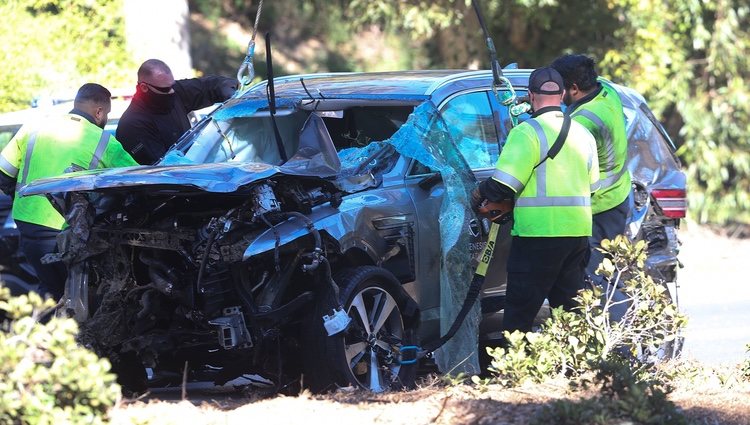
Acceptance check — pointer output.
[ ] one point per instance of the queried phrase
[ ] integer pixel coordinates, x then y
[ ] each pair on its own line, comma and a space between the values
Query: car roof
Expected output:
396, 84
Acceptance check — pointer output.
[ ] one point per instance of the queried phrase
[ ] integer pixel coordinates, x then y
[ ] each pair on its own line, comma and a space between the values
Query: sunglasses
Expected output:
162, 90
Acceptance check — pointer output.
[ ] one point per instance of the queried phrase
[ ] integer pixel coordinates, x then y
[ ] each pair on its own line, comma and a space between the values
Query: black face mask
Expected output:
159, 103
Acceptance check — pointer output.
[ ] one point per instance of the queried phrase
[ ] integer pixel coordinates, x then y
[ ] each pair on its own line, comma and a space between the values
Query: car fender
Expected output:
337, 224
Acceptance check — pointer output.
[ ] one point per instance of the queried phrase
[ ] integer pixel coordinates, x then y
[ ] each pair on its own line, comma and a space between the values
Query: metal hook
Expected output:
246, 73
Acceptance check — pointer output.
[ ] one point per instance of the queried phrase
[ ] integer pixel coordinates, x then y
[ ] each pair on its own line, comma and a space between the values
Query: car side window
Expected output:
472, 126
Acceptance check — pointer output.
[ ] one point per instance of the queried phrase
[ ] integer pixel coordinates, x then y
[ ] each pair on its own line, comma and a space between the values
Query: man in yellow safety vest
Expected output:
552, 197
595, 104
47, 149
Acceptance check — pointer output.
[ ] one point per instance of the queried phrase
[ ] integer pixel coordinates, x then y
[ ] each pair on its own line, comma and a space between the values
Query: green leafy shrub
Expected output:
623, 396
45, 377
573, 342
745, 366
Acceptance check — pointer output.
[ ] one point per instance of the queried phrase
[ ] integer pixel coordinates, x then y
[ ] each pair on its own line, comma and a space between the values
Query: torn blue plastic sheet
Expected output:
426, 138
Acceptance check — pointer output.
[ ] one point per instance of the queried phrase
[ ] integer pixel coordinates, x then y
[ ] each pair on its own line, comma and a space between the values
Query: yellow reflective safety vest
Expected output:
47, 150
553, 196
604, 118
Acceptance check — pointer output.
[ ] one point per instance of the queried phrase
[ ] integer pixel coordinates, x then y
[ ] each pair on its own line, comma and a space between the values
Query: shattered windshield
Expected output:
244, 132
246, 138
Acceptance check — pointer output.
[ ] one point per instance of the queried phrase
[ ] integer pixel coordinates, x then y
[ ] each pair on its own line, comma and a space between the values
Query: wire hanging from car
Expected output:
246, 73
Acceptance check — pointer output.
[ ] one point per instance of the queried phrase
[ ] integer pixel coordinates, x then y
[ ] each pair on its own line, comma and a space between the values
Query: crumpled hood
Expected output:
315, 157
219, 177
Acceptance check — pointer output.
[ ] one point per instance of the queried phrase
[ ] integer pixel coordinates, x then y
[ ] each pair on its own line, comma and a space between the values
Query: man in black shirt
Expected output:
157, 115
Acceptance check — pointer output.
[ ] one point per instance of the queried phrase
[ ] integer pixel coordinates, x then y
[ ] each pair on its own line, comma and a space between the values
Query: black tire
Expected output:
350, 357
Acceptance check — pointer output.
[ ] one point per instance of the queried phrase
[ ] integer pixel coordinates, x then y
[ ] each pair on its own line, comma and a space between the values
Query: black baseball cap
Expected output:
546, 81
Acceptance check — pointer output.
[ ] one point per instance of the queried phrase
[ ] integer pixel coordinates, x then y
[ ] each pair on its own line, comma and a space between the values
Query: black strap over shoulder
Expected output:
559, 141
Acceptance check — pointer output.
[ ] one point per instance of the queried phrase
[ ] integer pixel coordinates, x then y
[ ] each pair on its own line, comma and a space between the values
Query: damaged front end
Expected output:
227, 267
167, 278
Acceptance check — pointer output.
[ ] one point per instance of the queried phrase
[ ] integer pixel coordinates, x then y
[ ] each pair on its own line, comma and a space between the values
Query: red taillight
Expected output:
672, 202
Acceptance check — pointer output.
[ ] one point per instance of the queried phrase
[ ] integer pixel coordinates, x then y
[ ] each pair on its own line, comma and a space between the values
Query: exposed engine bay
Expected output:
168, 278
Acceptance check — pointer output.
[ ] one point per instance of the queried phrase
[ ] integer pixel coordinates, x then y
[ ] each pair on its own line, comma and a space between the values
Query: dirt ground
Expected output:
706, 392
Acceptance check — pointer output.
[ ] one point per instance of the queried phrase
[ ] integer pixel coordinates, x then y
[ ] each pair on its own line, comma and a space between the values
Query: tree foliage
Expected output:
54, 46
45, 376
689, 58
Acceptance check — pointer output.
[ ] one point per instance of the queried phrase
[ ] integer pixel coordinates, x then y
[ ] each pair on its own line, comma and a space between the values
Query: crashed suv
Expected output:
322, 232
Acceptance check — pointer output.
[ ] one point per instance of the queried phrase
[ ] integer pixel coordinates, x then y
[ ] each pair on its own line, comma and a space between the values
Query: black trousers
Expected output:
37, 241
607, 225
540, 268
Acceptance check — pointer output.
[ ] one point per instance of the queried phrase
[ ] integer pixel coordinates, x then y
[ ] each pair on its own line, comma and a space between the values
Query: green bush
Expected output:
623, 397
571, 342
745, 366
618, 353
45, 377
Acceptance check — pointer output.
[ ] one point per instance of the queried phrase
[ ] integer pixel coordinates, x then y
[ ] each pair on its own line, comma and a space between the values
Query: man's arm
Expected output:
140, 139
494, 191
7, 184
513, 169
10, 162
197, 93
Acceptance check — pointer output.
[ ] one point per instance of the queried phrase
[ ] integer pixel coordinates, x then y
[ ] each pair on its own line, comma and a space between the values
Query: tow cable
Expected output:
499, 213
417, 352
246, 73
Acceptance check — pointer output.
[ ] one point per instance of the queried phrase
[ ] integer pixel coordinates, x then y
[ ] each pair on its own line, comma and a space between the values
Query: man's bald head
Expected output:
155, 74
152, 67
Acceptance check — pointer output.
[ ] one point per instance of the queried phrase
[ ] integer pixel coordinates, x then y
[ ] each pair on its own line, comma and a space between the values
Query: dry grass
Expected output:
705, 395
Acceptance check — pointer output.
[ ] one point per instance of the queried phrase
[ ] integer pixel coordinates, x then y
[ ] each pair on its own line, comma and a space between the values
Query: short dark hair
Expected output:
92, 92
576, 69
150, 67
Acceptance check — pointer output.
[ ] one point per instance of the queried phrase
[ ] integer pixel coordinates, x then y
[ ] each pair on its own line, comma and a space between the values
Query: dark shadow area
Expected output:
212, 54
704, 415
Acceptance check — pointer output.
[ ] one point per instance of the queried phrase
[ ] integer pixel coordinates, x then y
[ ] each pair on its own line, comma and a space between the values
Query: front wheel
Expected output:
368, 354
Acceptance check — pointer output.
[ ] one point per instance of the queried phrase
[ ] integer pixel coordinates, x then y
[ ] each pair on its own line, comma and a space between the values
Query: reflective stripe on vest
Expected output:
508, 179
7, 167
100, 148
541, 199
555, 201
27, 159
610, 177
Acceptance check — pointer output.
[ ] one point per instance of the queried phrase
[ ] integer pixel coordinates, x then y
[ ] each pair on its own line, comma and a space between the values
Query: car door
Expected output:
473, 126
